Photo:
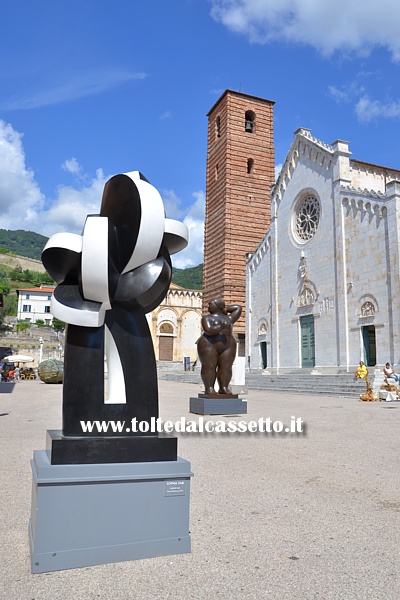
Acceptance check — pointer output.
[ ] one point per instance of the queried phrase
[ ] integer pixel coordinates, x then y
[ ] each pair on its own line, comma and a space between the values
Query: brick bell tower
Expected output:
240, 173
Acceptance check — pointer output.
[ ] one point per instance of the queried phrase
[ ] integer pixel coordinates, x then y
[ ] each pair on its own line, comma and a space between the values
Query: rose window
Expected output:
307, 219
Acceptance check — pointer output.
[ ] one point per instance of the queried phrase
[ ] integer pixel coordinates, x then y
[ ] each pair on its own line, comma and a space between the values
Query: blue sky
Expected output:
91, 88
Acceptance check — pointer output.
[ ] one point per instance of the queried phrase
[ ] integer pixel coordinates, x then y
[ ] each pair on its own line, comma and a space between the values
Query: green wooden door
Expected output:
263, 347
307, 341
369, 343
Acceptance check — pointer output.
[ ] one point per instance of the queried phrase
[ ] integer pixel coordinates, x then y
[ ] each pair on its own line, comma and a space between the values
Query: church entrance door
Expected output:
166, 348
307, 342
263, 347
369, 343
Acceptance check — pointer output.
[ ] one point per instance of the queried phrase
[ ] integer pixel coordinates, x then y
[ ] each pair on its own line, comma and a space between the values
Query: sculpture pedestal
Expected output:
218, 404
66, 450
84, 515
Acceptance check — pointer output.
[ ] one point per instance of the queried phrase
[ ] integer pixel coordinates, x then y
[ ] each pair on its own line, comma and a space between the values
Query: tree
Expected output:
10, 305
58, 325
4, 283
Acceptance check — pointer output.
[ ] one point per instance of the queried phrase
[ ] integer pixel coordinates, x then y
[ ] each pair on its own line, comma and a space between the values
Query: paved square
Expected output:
280, 517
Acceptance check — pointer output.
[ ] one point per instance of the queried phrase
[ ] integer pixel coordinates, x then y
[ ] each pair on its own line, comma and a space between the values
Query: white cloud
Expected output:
351, 91
367, 109
70, 88
166, 115
172, 204
71, 166
327, 25
339, 95
69, 209
278, 169
20, 197
23, 206
194, 220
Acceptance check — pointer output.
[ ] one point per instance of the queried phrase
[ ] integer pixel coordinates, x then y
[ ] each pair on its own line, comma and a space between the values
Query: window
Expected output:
47, 321
218, 127
47, 309
306, 219
27, 296
26, 308
250, 165
49, 297
249, 120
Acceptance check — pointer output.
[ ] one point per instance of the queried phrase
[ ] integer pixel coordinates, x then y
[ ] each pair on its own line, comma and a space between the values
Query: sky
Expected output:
92, 88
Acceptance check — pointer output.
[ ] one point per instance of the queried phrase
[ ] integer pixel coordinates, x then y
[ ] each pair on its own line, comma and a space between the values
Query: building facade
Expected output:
34, 304
323, 286
175, 325
240, 173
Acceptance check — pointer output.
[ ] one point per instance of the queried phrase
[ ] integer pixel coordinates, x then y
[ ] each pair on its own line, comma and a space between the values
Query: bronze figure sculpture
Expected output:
217, 346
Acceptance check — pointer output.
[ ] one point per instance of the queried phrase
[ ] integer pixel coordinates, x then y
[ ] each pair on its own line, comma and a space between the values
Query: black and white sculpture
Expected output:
108, 278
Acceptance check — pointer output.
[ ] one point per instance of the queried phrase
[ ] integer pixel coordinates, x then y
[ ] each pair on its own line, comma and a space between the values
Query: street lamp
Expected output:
41, 349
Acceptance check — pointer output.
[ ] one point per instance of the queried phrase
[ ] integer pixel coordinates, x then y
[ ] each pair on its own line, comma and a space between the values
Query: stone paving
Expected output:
312, 516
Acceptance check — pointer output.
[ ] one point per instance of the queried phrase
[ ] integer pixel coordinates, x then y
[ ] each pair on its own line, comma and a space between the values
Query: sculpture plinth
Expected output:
67, 450
85, 515
218, 396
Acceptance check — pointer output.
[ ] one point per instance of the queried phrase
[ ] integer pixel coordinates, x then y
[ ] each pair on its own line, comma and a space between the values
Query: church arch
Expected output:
166, 328
367, 306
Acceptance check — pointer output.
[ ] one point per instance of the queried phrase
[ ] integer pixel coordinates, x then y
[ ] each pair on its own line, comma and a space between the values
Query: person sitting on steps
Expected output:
389, 372
361, 371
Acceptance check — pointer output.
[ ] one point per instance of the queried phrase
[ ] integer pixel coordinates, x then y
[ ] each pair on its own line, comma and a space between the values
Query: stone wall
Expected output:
27, 342
20, 261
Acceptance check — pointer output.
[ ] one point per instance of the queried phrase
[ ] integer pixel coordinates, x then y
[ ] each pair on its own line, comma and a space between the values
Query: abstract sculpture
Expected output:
108, 278
217, 346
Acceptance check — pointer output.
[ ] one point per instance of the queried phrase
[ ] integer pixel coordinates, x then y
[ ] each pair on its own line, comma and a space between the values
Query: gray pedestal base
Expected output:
218, 406
84, 515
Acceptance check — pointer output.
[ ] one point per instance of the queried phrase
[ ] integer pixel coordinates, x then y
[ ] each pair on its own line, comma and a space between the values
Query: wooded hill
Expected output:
190, 279
31, 244
23, 243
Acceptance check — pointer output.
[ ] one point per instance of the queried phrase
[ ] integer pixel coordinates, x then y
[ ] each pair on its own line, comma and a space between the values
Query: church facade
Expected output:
323, 285
175, 325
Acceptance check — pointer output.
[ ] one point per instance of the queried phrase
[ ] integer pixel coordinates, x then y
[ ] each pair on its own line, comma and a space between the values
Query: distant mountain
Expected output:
23, 243
190, 279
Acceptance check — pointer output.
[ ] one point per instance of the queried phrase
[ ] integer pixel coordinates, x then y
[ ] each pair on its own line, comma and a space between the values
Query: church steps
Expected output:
299, 383
340, 385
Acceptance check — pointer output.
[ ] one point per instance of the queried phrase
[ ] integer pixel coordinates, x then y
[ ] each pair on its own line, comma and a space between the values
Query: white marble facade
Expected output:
323, 286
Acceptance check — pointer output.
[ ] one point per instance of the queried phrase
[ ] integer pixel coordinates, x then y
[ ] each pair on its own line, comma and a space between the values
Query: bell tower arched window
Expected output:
249, 121
218, 127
